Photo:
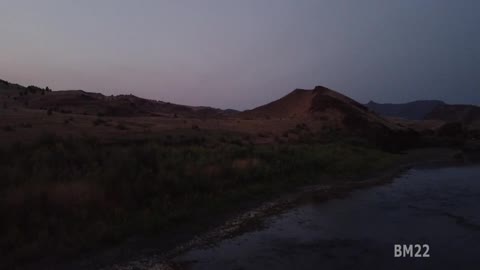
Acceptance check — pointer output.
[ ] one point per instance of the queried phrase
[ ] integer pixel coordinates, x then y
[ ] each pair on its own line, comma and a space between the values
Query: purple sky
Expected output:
243, 53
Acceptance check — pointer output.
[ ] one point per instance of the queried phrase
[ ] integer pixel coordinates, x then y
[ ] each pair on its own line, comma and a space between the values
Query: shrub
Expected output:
262, 135
121, 126
33, 89
8, 128
64, 111
99, 121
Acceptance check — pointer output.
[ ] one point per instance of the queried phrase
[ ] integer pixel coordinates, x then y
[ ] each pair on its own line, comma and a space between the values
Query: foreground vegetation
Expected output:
66, 195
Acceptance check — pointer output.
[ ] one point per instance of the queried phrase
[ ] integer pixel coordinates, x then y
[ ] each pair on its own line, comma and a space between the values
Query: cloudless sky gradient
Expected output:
243, 53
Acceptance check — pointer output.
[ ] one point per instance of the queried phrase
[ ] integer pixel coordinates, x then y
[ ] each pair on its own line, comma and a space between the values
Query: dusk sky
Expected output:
243, 53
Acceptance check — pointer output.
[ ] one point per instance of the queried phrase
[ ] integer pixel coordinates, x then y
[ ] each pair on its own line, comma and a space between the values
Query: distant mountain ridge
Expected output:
428, 110
82, 102
319, 103
416, 110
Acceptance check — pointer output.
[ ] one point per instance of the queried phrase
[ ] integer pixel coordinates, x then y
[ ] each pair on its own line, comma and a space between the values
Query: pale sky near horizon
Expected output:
243, 53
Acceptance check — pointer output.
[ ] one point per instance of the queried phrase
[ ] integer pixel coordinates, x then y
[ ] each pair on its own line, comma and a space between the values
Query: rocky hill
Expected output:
328, 107
320, 103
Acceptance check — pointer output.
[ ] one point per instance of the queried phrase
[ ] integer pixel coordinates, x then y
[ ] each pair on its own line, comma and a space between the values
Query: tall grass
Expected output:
63, 196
